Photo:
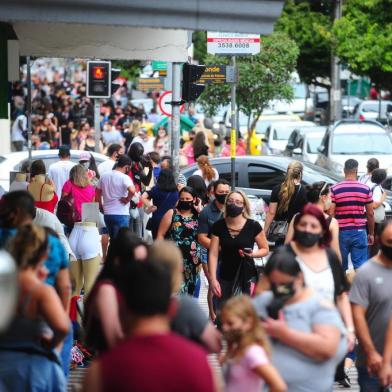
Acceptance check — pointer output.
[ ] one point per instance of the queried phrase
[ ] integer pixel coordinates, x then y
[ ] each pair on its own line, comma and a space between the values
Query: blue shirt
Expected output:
57, 256
164, 201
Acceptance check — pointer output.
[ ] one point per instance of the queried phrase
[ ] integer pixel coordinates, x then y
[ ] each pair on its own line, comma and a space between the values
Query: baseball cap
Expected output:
84, 156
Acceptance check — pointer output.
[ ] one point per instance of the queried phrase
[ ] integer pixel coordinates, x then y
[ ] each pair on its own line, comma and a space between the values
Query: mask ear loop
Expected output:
323, 189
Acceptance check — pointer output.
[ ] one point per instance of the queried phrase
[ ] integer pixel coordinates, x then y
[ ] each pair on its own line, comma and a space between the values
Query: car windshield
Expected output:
299, 90
283, 132
373, 107
365, 144
262, 125
314, 144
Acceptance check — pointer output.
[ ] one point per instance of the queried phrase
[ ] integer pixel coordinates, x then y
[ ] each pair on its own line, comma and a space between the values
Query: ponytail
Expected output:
287, 189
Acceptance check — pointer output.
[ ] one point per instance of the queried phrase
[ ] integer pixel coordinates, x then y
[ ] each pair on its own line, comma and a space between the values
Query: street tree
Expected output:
309, 24
363, 38
262, 78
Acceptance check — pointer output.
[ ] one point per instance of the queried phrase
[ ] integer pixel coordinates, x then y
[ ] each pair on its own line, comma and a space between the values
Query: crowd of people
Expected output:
129, 239
113, 256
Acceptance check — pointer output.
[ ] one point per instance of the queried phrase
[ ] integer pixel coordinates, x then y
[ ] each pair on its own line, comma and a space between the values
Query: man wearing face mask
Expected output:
371, 303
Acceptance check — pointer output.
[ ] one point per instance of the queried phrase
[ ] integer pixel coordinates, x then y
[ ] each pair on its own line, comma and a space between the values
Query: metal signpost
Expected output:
175, 126
29, 131
233, 44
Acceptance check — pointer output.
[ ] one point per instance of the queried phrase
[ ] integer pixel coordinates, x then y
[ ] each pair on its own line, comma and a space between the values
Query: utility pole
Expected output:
175, 125
233, 133
97, 125
29, 133
336, 95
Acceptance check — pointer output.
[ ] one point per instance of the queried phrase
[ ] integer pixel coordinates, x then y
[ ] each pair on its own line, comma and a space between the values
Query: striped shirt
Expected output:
350, 198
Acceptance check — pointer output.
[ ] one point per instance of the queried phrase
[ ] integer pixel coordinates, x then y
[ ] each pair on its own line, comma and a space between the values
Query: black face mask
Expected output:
184, 205
220, 198
282, 293
233, 210
386, 251
305, 238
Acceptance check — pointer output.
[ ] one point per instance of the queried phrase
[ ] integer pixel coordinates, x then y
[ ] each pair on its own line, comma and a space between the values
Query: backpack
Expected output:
66, 211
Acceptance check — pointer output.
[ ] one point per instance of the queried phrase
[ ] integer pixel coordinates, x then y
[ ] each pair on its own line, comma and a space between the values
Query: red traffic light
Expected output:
98, 72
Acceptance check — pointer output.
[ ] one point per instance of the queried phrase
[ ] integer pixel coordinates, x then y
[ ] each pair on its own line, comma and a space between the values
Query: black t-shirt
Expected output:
297, 202
230, 258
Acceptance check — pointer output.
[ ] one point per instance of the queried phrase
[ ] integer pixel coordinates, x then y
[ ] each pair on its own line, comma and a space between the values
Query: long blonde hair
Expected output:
287, 189
78, 176
242, 307
205, 167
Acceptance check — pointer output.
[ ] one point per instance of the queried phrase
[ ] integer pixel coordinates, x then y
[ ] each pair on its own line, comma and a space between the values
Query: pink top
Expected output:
240, 376
80, 196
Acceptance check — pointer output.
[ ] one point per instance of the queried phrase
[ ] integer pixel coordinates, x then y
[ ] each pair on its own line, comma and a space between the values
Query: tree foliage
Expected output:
130, 69
309, 24
363, 38
262, 77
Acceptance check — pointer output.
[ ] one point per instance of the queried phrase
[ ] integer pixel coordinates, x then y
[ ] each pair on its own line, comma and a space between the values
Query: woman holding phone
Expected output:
235, 235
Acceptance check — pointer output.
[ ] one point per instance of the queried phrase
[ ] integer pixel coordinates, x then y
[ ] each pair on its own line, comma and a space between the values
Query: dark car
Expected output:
257, 175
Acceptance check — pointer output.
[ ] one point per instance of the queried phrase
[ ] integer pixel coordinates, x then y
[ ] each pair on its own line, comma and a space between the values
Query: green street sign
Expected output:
159, 65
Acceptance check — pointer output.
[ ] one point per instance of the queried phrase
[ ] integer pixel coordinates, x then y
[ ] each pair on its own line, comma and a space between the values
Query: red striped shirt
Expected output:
350, 198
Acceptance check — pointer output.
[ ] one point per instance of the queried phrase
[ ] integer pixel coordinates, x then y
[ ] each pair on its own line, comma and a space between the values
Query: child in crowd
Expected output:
246, 363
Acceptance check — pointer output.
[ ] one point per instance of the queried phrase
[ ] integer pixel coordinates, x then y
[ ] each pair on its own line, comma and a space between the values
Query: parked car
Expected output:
277, 134
369, 110
12, 162
258, 175
304, 142
348, 105
360, 140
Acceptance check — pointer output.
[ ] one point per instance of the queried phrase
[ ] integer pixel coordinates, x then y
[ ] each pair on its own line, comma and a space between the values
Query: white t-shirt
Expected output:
148, 144
59, 173
114, 185
105, 166
321, 282
200, 173
110, 137
16, 132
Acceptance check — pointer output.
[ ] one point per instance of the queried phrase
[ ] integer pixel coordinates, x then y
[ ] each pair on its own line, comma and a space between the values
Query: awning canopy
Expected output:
239, 16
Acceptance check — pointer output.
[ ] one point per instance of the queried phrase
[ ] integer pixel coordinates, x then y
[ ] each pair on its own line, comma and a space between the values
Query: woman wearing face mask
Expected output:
321, 267
180, 225
319, 194
236, 236
308, 337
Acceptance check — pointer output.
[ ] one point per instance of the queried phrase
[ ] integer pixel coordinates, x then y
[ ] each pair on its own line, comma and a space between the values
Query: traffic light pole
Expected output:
233, 134
97, 126
175, 125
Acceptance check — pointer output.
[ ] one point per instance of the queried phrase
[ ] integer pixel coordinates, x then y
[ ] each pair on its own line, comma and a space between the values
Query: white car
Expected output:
360, 140
278, 133
13, 161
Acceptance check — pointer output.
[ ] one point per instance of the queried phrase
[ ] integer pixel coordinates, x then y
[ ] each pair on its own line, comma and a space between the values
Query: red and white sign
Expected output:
164, 104
233, 44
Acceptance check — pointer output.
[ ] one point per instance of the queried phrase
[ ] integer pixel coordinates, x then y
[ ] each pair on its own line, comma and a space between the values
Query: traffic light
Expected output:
115, 85
98, 79
191, 73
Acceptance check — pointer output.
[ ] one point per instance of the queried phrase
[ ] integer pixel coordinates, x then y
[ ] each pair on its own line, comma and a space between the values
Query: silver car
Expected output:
369, 110
359, 140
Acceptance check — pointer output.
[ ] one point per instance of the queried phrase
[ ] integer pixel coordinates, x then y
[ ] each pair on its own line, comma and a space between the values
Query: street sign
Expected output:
233, 44
160, 66
164, 104
150, 84
214, 74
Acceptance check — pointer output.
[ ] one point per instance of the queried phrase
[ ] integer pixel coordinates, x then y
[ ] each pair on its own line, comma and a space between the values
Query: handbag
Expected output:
379, 212
246, 273
277, 231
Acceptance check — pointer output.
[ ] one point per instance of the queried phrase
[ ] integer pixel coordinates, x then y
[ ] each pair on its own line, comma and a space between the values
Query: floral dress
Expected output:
183, 232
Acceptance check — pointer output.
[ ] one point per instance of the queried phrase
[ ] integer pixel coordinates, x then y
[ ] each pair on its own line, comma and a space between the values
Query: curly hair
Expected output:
206, 167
